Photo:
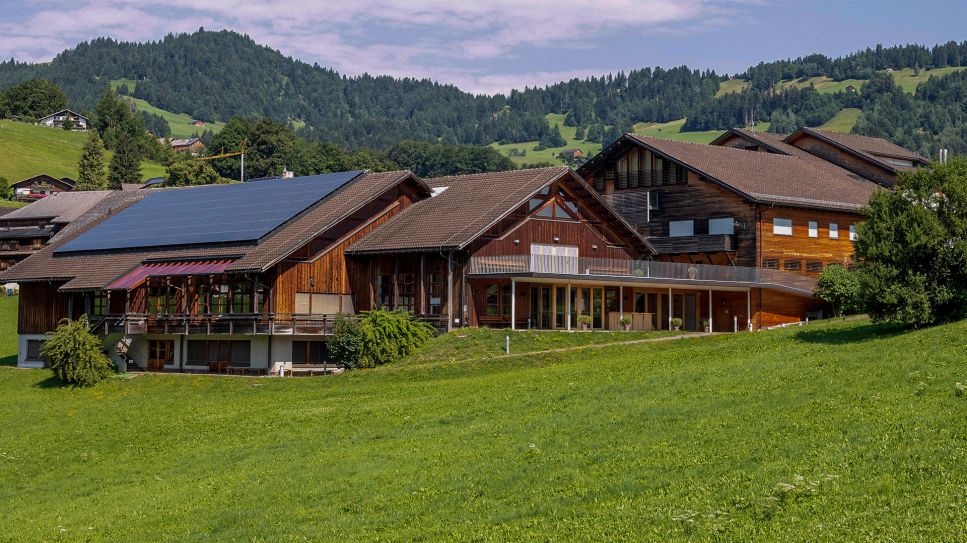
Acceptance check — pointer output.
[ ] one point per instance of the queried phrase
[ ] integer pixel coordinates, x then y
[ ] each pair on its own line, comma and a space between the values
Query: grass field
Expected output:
842, 121
832, 432
8, 331
27, 150
673, 130
551, 155
732, 85
180, 123
908, 81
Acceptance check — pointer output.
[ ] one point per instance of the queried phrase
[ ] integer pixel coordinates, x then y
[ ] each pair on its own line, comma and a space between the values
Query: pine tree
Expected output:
126, 162
90, 169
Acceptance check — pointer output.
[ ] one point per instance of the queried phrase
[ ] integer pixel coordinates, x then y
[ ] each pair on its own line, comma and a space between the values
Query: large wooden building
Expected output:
249, 277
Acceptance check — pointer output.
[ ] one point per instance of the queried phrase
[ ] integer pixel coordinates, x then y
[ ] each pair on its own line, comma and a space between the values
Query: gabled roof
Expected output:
184, 142
758, 177
64, 111
874, 150
466, 206
60, 207
773, 142
65, 182
95, 270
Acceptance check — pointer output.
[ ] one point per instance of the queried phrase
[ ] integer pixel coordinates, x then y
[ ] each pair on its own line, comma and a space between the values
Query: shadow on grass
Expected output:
855, 334
52, 382
9, 360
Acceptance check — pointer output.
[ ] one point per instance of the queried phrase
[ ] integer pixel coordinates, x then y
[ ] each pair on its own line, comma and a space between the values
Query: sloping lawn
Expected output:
8, 330
831, 432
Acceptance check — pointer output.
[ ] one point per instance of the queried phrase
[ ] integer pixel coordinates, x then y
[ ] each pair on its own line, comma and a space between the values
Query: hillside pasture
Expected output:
28, 150
180, 123
837, 431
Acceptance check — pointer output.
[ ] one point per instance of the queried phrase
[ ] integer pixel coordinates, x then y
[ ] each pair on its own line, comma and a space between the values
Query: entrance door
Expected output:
691, 315
160, 353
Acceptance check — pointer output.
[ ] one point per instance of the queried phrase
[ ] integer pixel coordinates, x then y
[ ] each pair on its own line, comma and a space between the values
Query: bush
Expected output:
347, 341
378, 337
912, 249
841, 288
677, 322
74, 353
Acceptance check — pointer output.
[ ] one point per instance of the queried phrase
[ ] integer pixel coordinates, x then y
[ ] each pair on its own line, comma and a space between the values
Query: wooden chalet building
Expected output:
749, 201
193, 146
26, 230
248, 277
39, 186
59, 119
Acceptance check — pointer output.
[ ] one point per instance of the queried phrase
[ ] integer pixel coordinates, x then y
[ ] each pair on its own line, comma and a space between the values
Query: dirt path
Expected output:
600, 345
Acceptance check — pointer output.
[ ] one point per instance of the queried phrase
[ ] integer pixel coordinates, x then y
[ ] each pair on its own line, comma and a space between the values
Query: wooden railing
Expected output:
641, 269
234, 324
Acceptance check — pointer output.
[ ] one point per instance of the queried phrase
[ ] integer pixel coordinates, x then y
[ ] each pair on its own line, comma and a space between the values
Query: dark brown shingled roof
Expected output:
873, 149
768, 177
85, 271
466, 206
774, 142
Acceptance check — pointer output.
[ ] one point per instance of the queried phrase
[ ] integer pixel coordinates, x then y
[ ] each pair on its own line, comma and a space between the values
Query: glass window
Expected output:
782, 227
852, 232
242, 298
219, 299
771, 263
33, 349
99, 304
407, 287
681, 228
435, 291
813, 229
493, 301
241, 353
833, 231
303, 303
792, 265
639, 302
505, 299
725, 225
384, 291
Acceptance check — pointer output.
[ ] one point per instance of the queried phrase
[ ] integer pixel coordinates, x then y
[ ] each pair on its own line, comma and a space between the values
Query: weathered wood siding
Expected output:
799, 247
44, 310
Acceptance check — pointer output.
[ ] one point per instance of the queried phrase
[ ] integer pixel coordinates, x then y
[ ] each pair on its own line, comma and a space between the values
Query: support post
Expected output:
513, 305
748, 309
567, 305
710, 310
450, 293
621, 301
669, 308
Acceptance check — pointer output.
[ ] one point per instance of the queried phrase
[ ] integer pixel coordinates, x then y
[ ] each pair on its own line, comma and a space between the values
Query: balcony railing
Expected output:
243, 324
638, 269
705, 243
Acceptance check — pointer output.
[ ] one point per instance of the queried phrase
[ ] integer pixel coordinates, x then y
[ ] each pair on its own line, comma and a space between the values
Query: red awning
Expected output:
155, 269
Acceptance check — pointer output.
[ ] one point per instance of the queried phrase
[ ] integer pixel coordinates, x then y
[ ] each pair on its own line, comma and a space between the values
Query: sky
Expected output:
490, 47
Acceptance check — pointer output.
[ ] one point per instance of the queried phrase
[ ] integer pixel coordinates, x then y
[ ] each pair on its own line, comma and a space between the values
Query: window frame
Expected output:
780, 230
813, 229
721, 220
691, 228
833, 230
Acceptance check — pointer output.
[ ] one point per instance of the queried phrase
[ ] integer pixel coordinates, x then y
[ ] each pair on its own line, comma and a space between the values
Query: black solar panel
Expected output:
210, 214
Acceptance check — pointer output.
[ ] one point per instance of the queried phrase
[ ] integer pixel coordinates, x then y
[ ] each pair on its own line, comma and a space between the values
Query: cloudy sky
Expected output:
502, 44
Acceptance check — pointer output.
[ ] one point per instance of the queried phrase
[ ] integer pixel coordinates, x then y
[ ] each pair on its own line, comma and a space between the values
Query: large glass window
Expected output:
219, 299
407, 287
435, 292
242, 298
384, 291
493, 301
681, 228
724, 225
161, 300
310, 352
782, 227
99, 304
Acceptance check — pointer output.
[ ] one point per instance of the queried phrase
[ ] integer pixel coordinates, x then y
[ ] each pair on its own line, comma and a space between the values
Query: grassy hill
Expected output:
27, 150
551, 155
832, 432
180, 123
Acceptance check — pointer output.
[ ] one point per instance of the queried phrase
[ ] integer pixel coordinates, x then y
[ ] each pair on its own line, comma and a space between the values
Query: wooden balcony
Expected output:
236, 324
694, 244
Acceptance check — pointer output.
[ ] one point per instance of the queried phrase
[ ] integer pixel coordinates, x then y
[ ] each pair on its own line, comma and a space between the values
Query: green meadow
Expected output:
837, 431
180, 123
27, 150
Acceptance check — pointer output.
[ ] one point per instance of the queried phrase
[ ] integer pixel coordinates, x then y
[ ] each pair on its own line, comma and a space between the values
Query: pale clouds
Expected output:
478, 46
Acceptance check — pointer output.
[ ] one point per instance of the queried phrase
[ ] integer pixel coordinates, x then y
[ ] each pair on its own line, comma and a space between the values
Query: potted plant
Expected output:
676, 324
584, 321
625, 323
705, 325
692, 272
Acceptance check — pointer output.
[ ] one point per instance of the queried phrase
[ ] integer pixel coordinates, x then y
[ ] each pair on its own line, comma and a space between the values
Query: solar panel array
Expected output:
210, 214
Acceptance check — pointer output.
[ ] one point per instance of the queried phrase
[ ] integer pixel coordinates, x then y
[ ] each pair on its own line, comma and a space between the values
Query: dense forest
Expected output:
221, 75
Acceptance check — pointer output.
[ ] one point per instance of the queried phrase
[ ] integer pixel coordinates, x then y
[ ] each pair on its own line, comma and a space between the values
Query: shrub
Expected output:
677, 322
74, 353
625, 321
347, 341
841, 288
378, 337
911, 250
584, 319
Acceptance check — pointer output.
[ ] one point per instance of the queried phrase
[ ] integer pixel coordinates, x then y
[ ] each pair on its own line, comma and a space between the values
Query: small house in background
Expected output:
58, 120
850, 88
37, 187
188, 145
154, 182
198, 123
572, 154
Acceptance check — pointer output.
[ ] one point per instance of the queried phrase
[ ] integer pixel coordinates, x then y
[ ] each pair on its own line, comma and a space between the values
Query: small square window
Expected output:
782, 227
680, 228
770, 264
792, 265
814, 266
833, 231
724, 225
813, 229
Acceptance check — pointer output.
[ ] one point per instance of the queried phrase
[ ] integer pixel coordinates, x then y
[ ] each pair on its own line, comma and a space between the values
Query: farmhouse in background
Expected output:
193, 146
40, 186
572, 154
58, 120
24, 231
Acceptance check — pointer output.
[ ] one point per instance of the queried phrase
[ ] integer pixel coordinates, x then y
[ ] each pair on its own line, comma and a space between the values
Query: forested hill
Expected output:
218, 75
